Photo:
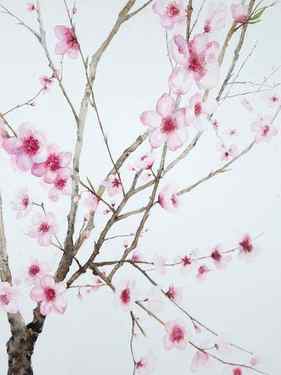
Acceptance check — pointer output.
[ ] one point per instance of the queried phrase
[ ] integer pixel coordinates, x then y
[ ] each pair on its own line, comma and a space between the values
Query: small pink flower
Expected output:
174, 293
185, 262
200, 359
136, 256
61, 184
126, 294
50, 295
46, 82
166, 124
68, 43
43, 228
54, 162
198, 110
28, 148
199, 58
9, 298
171, 12
113, 185
220, 260
247, 249
202, 272
228, 153
22, 203
264, 129
145, 162
240, 13
91, 201
36, 270
216, 18
145, 365
273, 100
168, 198
176, 336
31, 7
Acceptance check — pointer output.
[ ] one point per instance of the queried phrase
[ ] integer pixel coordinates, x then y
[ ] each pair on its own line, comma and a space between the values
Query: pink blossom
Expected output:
264, 129
171, 12
50, 295
68, 43
179, 81
22, 203
185, 262
219, 258
198, 110
273, 100
9, 298
61, 185
31, 7
233, 370
126, 294
240, 13
247, 249
168, 198
200, 359
113, 185
91, 201
202, 272
28, 148
228, 153
199, 58
36, 270
166, 124
136, 256
216, 18
54, 162
174, 293
46, 82
176, 336
43, 228
145, 365
145, 162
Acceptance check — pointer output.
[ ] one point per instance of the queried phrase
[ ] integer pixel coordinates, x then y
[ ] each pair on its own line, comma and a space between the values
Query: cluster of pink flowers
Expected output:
30, 153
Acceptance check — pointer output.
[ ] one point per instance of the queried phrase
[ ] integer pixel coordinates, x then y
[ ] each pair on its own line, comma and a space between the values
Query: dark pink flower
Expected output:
176, 336
264, 129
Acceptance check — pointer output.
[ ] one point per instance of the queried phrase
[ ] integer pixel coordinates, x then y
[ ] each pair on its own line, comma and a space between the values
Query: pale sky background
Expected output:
242, 302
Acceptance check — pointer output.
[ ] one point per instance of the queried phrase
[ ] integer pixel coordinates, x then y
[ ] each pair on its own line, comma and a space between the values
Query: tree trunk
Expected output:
21, 344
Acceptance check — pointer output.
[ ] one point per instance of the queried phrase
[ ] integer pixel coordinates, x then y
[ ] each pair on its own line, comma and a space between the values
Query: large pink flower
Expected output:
8, 298
171, 12
68, 43
167, 124
28, 148
55, 161
176, 336
199, 57
43, 228
50, 295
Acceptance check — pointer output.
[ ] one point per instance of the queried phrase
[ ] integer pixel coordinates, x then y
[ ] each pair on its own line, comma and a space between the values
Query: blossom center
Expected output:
60, 183
216, 255
31, 145
44, 227
140, 364
195, 63
246, 245
53, 162
50, 294
34, 270
4, 299
172, 10
177, 334
125, 296
237, 371
265, 130
25, 202
197, 109
186, 261
169, 125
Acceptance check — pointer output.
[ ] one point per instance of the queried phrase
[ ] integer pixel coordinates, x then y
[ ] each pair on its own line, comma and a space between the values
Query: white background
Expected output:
242, 302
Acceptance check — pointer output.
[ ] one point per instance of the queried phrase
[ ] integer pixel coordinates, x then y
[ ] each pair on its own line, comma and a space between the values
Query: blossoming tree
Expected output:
199, 35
